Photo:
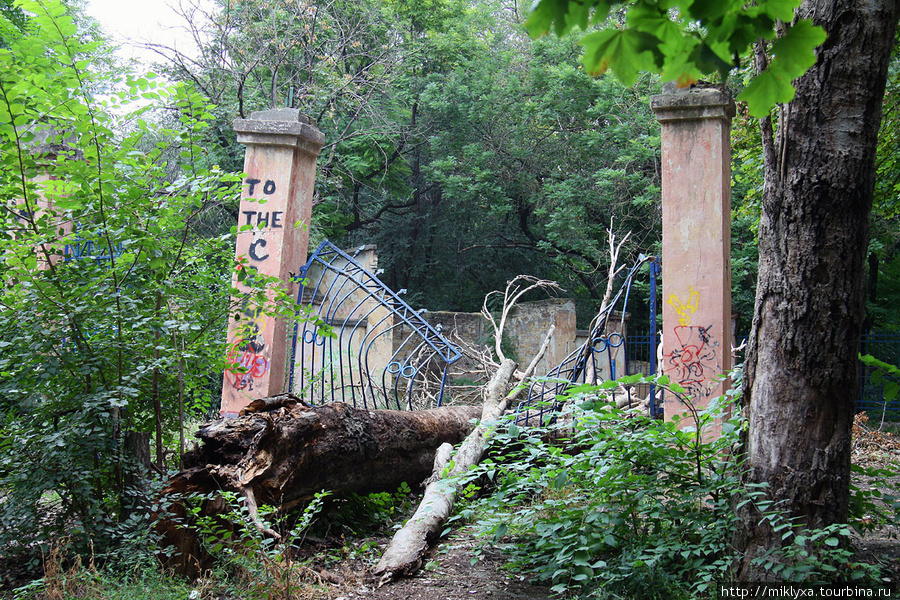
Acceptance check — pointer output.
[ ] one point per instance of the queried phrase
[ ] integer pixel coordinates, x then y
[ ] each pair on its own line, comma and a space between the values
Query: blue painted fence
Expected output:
885, 346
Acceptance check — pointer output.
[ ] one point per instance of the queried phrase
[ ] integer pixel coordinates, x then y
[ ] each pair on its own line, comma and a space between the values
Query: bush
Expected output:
633, 507
115, 292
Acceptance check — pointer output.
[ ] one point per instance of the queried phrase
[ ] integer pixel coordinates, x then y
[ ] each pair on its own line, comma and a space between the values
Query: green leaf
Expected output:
795, 52
563, 15
877, 377
708, 10
765, 91
561, 479
874, 362
653, 20
783, 10
708, 60
626, 52
891, 389
547, 14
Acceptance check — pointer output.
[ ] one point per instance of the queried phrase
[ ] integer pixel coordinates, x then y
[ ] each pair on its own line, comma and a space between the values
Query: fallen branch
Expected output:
403, 555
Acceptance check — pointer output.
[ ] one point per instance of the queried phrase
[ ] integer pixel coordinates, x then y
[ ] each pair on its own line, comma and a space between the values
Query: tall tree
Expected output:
801, 373
454, 141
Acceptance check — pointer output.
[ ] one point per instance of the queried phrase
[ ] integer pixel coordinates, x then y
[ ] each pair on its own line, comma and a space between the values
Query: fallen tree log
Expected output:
288, 451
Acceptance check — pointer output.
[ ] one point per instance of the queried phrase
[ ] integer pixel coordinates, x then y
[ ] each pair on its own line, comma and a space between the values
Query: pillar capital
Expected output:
693, 103
286, 127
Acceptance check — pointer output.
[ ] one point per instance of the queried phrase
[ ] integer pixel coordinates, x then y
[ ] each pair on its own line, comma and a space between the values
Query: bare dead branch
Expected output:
515, 289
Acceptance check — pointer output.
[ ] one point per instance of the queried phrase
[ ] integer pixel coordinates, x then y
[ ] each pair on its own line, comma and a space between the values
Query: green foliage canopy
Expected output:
684, 40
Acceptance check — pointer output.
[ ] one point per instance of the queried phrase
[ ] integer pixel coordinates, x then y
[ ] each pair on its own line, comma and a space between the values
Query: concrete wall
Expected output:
528, 325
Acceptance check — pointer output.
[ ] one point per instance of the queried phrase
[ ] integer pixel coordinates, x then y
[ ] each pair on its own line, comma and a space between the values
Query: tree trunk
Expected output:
283, 456
801, 372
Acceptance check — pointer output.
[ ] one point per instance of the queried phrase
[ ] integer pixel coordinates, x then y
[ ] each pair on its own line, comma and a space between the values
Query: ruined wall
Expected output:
528, 324
525, 330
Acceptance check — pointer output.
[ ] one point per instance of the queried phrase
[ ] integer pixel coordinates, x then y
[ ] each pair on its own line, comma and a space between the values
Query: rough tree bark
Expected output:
801, 369
287, 452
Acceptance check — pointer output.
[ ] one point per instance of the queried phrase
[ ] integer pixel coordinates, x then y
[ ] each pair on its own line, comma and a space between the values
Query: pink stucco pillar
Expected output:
273, 235
696, 244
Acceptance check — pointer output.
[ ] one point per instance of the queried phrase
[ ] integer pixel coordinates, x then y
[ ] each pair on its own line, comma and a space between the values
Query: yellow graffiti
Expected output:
685, 310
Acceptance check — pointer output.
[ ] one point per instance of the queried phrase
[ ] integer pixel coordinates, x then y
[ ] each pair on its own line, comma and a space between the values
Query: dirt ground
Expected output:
874, 448
450, 574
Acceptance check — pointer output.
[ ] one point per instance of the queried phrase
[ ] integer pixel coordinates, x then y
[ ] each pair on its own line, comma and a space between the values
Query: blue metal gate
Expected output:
379, 352
594, 361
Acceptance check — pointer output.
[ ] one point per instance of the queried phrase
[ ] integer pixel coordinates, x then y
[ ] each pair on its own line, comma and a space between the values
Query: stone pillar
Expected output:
273, 235
49, 146
696, 247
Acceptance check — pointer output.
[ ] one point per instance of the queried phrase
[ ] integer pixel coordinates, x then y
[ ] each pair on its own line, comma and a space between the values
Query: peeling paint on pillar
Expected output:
273, 237
696, 252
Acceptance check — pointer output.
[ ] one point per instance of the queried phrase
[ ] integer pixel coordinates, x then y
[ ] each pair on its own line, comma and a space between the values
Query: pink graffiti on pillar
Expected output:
251, 364
248, 352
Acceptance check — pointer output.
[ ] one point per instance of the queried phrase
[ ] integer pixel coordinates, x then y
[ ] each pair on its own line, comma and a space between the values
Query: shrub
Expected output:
633, 507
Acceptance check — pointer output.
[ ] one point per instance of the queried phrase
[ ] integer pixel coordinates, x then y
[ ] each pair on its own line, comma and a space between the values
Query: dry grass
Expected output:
66, 579
873, 447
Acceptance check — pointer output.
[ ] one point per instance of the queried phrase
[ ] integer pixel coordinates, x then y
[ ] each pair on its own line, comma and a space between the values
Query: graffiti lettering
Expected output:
694, 361
685, 310
254, 254
247, 354
264, 219
268, 186
249, 364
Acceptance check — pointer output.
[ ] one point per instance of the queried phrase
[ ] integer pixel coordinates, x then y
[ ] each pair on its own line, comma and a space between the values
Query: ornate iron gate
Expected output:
379, 351
593, 362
